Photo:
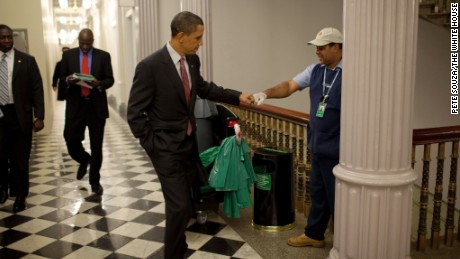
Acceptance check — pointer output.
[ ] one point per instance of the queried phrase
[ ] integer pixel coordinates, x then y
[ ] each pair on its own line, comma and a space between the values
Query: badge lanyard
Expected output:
322, 105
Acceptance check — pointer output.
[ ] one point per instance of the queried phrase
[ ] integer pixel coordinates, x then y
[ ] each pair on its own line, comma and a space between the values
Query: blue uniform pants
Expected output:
322, 194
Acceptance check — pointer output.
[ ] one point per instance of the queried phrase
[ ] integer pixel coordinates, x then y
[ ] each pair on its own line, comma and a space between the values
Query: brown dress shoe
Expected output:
303, 240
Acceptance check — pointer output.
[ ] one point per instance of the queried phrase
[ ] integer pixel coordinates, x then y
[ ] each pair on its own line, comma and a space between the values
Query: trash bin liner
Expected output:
273, 190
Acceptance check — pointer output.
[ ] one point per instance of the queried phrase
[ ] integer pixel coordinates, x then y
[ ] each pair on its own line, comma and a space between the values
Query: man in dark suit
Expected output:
59, 86
86, 106
21, 99
161, 115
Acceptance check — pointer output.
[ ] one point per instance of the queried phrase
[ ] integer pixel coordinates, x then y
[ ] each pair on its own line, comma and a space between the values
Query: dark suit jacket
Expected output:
101, 69
27, 90
157, 99
59, 82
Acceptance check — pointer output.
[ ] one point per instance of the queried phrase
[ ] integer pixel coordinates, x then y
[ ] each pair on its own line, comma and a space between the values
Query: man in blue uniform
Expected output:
325, 82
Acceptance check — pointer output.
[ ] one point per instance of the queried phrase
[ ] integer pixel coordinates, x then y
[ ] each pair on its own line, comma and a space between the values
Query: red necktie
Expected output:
85, 70
186, 84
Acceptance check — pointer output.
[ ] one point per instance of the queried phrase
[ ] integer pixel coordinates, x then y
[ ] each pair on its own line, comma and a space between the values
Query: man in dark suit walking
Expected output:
161, 114
21, 100
58, 85
86, 104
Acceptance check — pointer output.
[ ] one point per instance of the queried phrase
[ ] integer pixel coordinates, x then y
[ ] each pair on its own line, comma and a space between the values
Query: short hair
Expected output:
185, 22
333, 43
4, 26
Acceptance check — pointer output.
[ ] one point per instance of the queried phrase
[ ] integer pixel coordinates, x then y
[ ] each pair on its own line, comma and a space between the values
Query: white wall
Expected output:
30, 18
432, 80
167, 10
259, 43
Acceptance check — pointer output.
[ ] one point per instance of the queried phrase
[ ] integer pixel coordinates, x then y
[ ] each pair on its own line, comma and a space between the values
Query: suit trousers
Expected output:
74, 134
322, 194
15, 145
176, 170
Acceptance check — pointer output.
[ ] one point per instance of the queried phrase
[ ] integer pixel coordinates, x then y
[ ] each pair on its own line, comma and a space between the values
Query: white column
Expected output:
374, 178
202, 9
148, 27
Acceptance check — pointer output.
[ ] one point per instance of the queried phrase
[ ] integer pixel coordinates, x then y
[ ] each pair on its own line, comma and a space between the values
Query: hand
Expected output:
246, 98
259, 98
54, 88
38, 125
95, 83
72, 79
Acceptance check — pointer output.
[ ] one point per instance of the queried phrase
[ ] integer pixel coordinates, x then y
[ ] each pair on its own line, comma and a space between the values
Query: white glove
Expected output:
259, 98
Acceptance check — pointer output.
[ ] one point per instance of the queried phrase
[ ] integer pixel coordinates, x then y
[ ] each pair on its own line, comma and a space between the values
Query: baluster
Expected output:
294, 137
302, 145
252, 127
280, 134
275, 132
245, 124
258, 130
436, 222
451, 196
263, 132
300, 189
287, 134
269, 131
421, 242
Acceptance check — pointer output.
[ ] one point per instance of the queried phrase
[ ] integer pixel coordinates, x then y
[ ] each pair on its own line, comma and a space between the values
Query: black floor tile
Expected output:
58, 231
10, 236
106, 224
13, 220
155, 234
57, 215
10, 253
110, 242
150, 218
222, 246
57, 249
209, 228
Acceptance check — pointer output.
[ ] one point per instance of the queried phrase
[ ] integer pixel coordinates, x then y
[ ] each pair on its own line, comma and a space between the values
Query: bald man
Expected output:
86, 104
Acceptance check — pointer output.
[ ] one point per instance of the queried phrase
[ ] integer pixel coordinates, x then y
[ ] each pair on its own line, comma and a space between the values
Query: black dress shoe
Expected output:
19, 204
97, 189
82, 169
3, 195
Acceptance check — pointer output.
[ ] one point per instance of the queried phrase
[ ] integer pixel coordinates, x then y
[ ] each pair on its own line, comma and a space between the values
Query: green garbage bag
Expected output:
232, 173
208, 156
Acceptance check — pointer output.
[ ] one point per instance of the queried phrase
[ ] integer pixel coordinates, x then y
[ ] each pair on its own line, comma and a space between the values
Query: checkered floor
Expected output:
64, 219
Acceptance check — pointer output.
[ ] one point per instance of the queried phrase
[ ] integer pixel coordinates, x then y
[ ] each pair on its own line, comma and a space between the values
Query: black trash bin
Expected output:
273, 191
214, 123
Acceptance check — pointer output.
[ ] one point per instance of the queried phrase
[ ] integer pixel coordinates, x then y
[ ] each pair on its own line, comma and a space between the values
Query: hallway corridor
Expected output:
64, 219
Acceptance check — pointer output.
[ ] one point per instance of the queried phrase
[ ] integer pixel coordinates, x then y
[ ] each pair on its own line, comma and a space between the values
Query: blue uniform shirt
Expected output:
323, 133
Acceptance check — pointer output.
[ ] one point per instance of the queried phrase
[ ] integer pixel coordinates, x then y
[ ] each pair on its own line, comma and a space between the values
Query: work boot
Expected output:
303, 240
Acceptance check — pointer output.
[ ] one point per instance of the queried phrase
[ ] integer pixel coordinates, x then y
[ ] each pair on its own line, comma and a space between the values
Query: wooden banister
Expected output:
435, 135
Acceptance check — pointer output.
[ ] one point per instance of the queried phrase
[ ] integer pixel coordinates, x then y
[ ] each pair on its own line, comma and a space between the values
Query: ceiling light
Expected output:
62, 19
63, 4
86, 4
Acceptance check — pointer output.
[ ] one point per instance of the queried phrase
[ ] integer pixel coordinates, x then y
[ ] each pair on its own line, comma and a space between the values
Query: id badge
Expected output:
321, 110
